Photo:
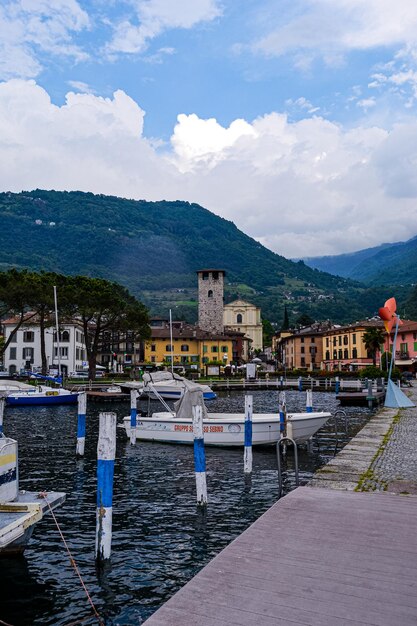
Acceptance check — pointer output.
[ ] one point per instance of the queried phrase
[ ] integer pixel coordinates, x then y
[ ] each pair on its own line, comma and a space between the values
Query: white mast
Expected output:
57, 332
172, 345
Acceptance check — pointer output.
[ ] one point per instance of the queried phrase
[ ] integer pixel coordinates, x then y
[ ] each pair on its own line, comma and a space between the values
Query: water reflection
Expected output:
160, 537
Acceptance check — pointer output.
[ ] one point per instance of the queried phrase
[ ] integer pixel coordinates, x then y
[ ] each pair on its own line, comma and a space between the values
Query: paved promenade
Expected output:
382, 457
339, 552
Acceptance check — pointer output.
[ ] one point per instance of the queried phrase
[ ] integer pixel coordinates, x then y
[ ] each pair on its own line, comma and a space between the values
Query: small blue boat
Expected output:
41, 396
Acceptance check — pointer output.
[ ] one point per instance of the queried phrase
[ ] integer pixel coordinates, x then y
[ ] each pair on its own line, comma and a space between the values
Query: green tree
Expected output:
267, 332
285, 322
373, 339
104, 306
15, 287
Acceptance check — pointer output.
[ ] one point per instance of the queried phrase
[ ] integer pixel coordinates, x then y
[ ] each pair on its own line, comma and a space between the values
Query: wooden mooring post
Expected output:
106, 452
82, 410
247, 455
134, 394
2, 403
199, 456
309, 401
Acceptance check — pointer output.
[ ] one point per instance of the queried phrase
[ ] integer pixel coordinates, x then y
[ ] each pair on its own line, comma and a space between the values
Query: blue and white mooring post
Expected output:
199, 456
82, 410
106, 452
300, 383
134, 394
282, 411
337, 385
2, 403
309, 401
247, 455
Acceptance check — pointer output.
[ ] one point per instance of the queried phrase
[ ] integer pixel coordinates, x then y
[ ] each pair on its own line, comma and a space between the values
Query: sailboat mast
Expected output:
57, 332
172, 345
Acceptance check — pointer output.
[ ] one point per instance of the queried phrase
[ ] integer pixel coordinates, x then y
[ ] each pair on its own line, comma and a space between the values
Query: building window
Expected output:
205, 275
345, 340
354, 353
302, 339
335, 354
210, 293
184, 359
12, 354
239, 318
65, 336
313, 340
346, 353
169, 348
403, 348
327, 355
354, 338
153, 359
302, 349
28, 336
153, 347
13, 339
27, 354
214, 349
334, 341
215, 275
340, 341
303, 362
224, 349
327, 342
185, 347
205, 359
340, 354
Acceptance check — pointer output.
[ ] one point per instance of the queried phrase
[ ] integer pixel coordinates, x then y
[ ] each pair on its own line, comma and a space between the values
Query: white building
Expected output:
246, 318
24, 350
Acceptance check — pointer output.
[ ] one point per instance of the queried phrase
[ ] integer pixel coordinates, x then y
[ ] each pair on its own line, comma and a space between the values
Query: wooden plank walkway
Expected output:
317, 557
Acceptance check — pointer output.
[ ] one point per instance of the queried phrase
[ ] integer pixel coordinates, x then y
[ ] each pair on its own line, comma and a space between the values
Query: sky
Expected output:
295, 119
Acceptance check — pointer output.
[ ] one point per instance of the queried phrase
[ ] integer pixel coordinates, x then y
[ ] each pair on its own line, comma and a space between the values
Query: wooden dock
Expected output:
353, 398
108, 396
317, 557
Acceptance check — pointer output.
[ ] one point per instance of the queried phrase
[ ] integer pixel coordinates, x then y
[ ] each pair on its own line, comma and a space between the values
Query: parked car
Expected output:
83, 375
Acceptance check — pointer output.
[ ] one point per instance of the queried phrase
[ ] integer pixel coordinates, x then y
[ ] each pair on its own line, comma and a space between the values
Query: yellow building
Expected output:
245, 317
343, 347
190, 346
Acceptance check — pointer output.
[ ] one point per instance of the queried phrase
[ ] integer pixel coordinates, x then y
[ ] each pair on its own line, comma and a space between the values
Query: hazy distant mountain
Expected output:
155, 249
389, 263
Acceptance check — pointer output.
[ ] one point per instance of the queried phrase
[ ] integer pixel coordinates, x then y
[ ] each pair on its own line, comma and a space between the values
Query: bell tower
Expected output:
210, 300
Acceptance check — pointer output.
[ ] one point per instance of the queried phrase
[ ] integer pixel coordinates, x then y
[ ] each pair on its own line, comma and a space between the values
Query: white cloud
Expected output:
30, 26
153, 17
304, 188
327, 28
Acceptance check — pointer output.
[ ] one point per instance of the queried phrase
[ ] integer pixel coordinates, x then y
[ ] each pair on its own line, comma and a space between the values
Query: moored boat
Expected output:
222, 429
168, 385
226, 429
40, 395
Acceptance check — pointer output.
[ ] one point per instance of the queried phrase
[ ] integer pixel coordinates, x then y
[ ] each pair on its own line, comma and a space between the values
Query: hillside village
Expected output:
226, 336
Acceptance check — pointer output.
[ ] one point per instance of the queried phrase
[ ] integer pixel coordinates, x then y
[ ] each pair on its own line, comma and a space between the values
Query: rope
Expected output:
43, 494
4, 623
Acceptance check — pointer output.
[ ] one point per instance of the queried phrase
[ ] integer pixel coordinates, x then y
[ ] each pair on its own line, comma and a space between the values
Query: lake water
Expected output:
160, 537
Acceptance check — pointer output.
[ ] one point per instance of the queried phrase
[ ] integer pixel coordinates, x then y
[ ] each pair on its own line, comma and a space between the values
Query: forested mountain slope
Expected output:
394, 263
155, 248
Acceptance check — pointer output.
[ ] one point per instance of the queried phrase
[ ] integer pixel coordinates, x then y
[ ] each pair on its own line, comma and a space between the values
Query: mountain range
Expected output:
156, 248
390, 263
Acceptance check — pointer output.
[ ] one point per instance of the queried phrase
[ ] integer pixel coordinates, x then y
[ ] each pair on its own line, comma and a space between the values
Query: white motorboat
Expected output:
167, 385
222, 429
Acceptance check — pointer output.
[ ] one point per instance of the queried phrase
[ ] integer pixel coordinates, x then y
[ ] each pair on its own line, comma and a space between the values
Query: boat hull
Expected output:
222, 429
34, 399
